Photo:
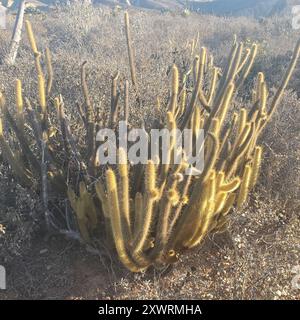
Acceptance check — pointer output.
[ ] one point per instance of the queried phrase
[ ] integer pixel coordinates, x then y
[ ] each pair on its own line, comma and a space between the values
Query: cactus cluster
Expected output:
152, 212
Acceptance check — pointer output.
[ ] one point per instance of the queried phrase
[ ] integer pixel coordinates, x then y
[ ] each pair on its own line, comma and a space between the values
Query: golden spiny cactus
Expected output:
130, 50
152, 212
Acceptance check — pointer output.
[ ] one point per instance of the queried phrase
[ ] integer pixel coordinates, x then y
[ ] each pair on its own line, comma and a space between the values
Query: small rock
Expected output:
278, 292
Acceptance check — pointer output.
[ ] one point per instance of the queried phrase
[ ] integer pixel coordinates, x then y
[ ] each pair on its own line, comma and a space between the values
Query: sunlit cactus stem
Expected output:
130, 50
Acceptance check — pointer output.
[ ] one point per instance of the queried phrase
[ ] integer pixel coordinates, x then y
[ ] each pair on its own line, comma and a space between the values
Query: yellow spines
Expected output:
254, 51
215, 130
188, 238
206, 213
240, 148
199, 87
142, 233
252, 56
173, 196
203, 56
124, 194
82, 188
220, 201
57, 105
185, 200
103, 198
123, 164
183, 102
244, 61
244, 188
206, 210
49, 70
171, 126
19, 104
228, 204
172, 256
114, 213
19, 98
220, 177
213, 85
126, 17
150, 243
256, 166
237, 57
79, 208
259, 98
150, 179
111, 182
226, 102
158, 105
88, 206
138, 210
263, 99
175, 84
191, 46
112, 195
260, 80
230, 186
42, 95
33, 46
215, 127
242, 121
189, 221
196, 122
31, 37
242, 136
212, 156
233, 121
171, 123
170, 198
130, 50
211, 186
195, 68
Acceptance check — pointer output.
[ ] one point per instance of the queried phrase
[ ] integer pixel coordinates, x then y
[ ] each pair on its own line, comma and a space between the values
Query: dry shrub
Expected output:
281, 168
19, 214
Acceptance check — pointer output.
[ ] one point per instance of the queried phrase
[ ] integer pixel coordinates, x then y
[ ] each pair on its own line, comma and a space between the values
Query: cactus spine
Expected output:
130, 50
244, 189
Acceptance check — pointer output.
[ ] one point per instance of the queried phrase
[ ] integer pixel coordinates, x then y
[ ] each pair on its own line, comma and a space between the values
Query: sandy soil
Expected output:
253, 260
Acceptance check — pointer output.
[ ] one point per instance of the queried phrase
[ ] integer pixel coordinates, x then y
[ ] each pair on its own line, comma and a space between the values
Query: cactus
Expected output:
152, 212
130, 50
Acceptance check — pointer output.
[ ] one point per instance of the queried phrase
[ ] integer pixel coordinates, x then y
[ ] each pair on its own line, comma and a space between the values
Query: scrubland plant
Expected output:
150, 213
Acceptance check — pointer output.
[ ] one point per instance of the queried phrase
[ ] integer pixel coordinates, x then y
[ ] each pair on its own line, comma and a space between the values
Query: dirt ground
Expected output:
253, 260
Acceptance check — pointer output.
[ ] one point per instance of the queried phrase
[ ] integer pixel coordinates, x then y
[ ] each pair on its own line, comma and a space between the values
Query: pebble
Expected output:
278, 292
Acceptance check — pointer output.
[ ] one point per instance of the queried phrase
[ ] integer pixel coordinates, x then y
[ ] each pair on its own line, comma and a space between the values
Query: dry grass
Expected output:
254, 259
